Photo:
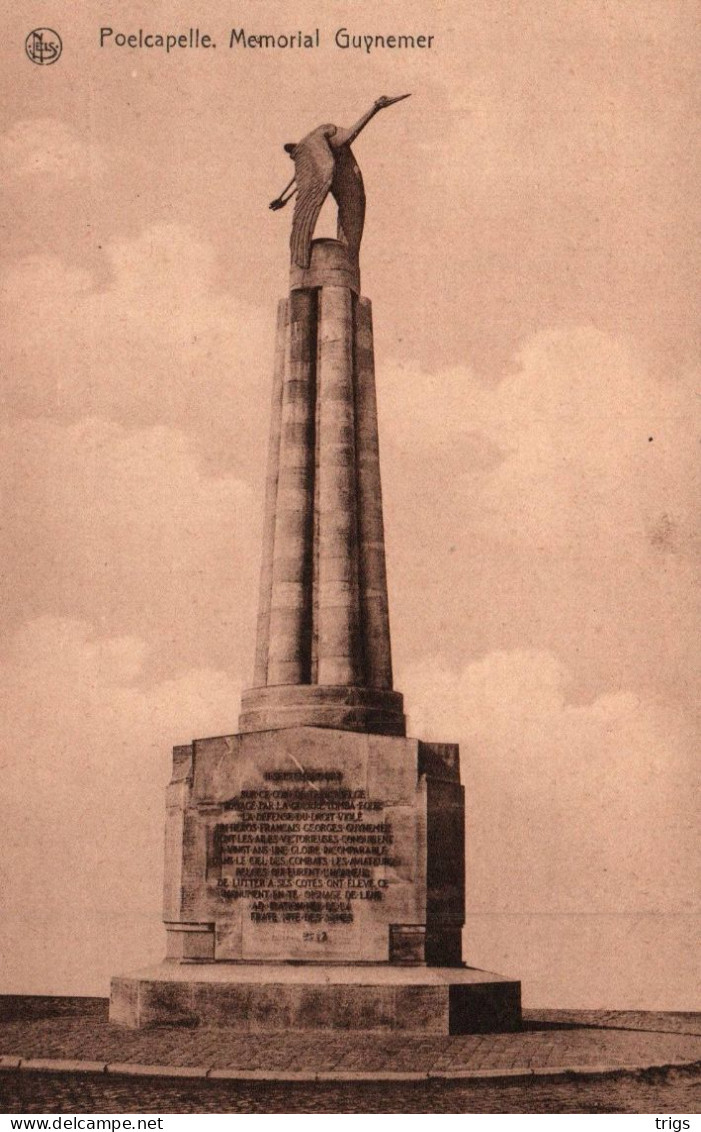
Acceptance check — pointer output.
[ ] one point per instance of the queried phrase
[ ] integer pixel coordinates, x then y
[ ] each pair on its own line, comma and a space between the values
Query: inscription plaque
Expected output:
302, 849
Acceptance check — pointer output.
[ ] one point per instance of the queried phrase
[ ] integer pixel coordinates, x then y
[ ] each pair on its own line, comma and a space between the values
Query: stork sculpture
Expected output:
324, 161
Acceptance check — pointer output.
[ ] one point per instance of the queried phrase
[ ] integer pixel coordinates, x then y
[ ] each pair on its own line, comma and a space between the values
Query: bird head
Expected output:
385, 100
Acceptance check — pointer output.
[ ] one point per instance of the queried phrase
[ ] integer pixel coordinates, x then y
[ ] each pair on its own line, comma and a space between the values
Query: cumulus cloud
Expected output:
573, 807
160, 342
86, 758
594, 441
581, 828
567, 518
48, 148
126, 528
572, 424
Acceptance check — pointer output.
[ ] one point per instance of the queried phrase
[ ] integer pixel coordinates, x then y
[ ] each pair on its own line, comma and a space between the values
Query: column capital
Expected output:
331, 265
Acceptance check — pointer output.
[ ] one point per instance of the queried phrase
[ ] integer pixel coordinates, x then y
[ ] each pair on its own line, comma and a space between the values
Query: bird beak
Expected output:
397, 99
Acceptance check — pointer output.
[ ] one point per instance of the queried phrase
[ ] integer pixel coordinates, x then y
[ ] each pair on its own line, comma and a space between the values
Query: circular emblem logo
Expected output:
43, 46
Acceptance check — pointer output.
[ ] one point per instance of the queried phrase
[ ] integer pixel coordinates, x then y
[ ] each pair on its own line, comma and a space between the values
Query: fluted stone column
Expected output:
323, 654
371, 535
339, 659
289, 647
260, 672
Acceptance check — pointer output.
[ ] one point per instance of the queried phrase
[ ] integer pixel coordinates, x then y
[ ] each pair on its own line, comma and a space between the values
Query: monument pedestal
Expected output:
315, 845
315, 877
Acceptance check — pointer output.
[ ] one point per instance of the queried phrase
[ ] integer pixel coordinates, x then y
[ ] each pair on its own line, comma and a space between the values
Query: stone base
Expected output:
262, 997
368, 710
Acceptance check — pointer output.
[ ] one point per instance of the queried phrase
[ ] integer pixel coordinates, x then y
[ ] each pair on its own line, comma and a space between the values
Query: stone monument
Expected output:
315, 860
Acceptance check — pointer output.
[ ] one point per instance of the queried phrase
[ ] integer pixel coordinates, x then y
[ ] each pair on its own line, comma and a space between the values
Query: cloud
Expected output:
568, 495
558, 189
85, 762
49, 149
597, 451
127, 529
572, 807
159, 343
580, 427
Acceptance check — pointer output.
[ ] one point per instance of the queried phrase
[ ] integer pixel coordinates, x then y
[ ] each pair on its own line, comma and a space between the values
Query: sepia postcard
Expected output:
528, 250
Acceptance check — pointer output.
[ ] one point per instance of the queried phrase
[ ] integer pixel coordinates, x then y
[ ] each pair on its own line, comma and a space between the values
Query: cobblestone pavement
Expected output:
550, 1041
658, 1021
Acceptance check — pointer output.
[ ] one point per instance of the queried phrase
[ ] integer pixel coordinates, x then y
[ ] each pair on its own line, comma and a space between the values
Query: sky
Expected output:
529, 252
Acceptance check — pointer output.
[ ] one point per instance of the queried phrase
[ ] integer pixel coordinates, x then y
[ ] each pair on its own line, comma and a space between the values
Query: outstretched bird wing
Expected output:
347, 188
314, 165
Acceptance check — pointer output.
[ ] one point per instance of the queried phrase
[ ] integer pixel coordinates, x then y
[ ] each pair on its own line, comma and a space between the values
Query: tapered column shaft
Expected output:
291, 587
260, 672
323, 656
339, 654
374, 608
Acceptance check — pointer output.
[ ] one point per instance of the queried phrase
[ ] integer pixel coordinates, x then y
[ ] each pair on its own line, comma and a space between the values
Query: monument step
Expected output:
262, 997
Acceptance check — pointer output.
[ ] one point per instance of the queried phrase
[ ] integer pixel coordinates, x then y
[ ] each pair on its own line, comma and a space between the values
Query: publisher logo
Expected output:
43, 46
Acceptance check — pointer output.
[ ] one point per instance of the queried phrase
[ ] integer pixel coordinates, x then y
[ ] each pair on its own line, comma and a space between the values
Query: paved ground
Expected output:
551, 1042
